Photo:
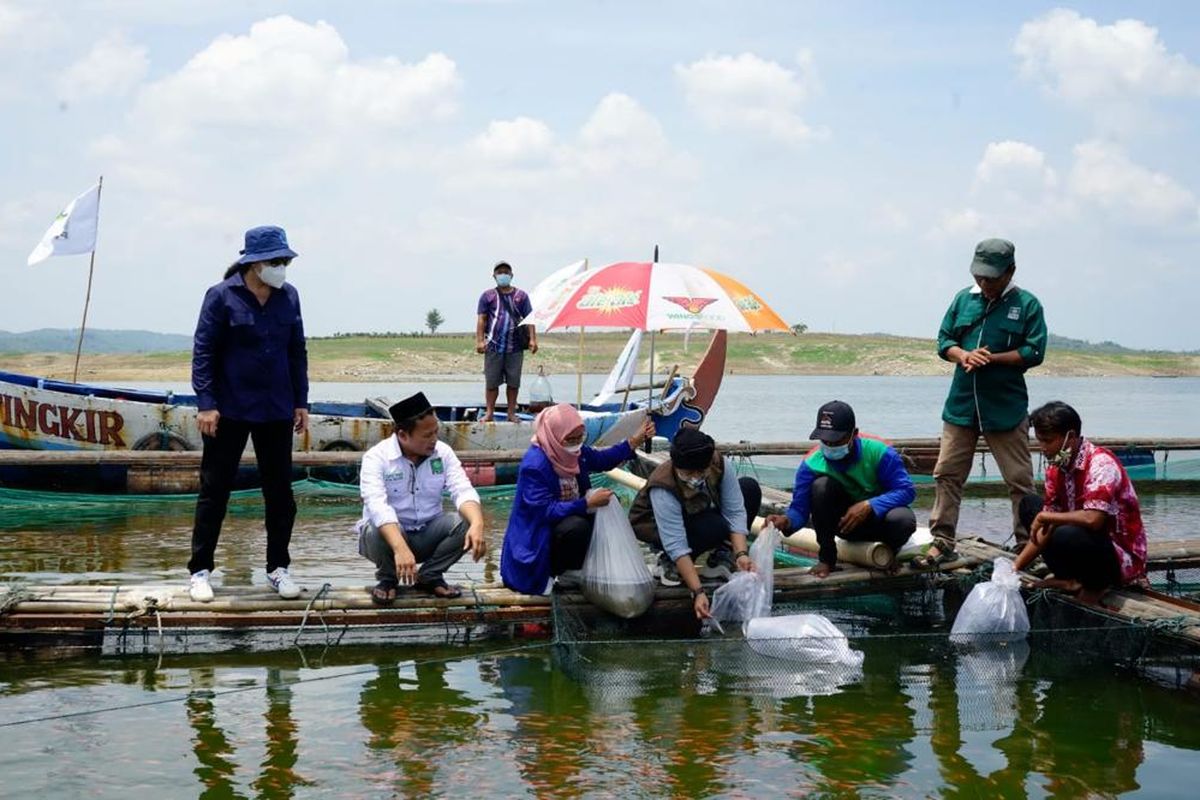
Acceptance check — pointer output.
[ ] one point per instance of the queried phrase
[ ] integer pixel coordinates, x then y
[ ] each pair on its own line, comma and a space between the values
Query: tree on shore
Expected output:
434, 320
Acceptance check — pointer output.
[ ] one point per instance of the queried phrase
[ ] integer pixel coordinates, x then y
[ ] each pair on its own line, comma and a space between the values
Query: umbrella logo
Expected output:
610, 300
748, 303
692, 305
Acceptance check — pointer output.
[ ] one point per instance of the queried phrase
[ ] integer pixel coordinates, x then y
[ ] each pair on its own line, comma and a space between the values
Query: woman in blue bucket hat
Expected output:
250, 375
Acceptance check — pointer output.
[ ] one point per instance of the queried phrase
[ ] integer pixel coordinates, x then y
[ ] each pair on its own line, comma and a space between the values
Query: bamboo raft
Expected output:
149, 618
159, 617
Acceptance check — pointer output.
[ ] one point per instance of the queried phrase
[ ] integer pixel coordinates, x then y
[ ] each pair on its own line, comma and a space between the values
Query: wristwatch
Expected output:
696, 592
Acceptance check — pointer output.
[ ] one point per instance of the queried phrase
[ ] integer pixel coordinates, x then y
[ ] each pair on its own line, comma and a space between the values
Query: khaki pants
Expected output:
1010, 449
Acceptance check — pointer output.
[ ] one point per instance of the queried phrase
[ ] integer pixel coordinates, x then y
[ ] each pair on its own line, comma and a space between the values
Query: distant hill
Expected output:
59, 340
1056, 342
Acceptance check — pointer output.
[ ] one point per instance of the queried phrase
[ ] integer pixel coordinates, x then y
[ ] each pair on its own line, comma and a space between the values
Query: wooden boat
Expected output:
45, 414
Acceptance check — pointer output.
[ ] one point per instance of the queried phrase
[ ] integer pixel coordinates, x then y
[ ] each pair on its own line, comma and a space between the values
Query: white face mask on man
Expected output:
273, 275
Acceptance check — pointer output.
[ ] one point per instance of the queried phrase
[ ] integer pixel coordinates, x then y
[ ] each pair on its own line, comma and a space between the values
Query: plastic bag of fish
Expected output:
994, 610
615, 576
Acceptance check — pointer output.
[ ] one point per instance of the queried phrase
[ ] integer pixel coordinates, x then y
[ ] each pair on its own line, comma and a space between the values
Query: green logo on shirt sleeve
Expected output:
437, 466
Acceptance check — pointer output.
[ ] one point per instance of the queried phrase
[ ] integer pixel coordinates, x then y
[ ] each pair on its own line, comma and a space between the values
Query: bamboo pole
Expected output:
191, 458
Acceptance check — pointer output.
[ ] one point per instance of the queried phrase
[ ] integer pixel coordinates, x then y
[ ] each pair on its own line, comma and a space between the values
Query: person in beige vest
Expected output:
692, 503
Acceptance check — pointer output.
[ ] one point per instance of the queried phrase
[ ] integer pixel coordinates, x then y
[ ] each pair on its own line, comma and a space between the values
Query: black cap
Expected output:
410, 407
692, 449
835, 421
502, 265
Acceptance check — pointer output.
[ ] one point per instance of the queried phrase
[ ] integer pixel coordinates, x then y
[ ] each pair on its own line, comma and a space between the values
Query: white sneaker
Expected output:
201, 590
282, 582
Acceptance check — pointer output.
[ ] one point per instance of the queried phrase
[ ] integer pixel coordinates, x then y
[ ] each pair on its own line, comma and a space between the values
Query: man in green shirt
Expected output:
992, 332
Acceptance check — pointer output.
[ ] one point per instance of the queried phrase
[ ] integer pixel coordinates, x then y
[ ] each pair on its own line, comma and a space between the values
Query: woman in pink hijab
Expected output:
550, 527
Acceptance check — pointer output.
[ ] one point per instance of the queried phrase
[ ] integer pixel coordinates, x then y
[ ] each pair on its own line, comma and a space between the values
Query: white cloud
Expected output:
112, 67
748, 93
287, 73
1013, 165
620, 133
1082, 61
12, 19
1015, 189
958, 224
1105, 177
520, 140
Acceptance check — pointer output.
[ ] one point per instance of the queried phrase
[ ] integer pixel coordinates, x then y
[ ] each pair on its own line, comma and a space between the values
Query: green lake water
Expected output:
679, 717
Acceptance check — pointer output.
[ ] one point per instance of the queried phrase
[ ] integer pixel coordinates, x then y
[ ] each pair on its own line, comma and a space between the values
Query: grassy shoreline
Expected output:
391, 358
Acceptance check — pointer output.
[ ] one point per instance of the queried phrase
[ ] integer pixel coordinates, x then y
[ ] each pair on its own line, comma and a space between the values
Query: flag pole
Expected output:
88, 297
579, 372
650, 392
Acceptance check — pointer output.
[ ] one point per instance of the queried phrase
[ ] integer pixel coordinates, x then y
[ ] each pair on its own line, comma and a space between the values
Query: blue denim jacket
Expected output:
525, 558
249, 360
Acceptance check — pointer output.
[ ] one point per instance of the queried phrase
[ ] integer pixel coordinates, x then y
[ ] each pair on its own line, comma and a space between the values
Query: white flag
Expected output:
623, 371
73, 230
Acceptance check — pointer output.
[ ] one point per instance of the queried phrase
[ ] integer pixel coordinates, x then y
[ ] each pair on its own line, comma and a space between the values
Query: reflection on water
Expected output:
676, 719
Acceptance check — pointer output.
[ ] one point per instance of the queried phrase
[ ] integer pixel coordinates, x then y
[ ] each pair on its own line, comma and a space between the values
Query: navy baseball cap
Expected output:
835, 421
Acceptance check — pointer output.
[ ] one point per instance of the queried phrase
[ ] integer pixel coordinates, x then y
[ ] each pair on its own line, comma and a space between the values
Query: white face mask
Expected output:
273, 276
694, 482
574, 449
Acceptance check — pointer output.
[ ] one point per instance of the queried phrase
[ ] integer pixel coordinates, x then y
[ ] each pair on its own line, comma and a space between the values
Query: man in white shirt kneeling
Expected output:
403, 523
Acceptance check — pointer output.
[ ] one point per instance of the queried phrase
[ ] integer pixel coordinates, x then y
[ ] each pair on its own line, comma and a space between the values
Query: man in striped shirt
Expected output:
498, 336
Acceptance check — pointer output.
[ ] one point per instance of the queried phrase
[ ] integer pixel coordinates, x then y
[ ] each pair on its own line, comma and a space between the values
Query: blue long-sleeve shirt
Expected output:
525, 557
668, 513
249, 359
894, 487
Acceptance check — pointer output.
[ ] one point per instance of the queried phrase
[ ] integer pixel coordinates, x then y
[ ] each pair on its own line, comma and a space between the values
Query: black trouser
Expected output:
829, 503
1075, 552
569, 541
218, 468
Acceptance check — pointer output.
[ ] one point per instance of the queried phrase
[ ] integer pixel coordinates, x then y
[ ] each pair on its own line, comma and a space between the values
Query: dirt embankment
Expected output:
387, 359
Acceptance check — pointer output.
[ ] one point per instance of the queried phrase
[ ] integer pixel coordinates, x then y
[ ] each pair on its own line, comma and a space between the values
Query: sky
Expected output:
840, 159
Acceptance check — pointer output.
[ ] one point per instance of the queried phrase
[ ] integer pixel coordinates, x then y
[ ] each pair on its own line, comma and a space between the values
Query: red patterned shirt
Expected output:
1098, 482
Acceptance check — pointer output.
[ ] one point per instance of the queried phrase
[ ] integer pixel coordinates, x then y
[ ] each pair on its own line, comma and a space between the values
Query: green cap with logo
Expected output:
993, 257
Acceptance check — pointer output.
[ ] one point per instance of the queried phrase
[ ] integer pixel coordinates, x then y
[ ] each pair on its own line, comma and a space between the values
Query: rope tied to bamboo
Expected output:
1177, 624
981, 573
1041, 596
324, 590
15, 593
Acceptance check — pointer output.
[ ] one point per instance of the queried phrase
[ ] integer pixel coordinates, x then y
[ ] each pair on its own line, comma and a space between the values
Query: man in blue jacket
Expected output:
852, 486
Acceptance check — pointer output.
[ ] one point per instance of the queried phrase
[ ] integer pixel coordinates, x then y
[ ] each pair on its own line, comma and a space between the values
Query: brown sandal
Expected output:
930, 561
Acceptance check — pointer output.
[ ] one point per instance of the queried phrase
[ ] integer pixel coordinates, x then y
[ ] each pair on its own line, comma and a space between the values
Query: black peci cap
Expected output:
409, 407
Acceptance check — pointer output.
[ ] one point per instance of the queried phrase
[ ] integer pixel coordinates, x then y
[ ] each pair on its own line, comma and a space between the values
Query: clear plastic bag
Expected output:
747, 595
615, 576
540, 394
994, 610
810, 638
